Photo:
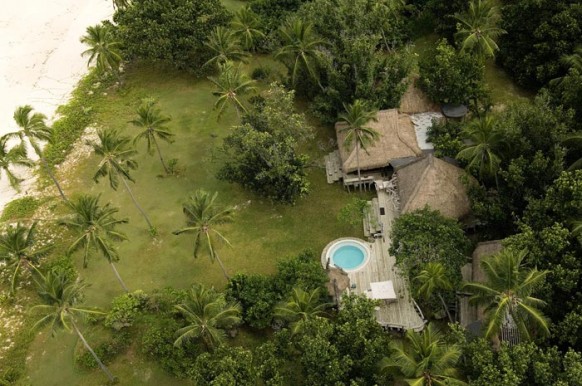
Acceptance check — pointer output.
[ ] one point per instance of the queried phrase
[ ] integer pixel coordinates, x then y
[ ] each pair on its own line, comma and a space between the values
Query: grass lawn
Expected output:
261, 233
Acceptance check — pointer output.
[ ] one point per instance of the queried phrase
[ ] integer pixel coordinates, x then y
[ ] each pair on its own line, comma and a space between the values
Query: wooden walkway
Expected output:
402, 314
333, 167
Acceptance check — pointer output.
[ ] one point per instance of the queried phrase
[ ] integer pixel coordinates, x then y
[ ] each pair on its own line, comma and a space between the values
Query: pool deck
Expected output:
402, 314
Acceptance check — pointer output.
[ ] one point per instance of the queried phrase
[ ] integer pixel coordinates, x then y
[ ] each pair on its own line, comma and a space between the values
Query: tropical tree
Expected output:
116, 163
153, 123
94, 228
203, 215
225, 46
300, 307
15, 156
208, 314
483, 143
300, 48
477, 28
103, 49
506, 295
424, 359
232, 83
571, 62
246, 25
19, 250
59, 295
33, 129
433, 280
356, 117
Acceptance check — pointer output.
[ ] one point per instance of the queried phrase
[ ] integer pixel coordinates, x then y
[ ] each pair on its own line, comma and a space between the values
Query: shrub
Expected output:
106, 351
256, 295
262, 73
20, 208
124, 310
303, 271
225, 366
158, 344
446, 138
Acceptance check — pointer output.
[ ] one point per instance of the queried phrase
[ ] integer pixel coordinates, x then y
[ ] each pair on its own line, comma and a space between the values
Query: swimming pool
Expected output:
349, 254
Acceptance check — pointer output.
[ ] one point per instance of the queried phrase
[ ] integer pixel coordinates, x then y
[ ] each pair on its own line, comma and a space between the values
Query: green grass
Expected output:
234, 5
261, 233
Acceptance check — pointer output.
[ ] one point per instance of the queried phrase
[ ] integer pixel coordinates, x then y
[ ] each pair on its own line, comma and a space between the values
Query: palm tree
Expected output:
103, 49
225, 46
203, 215
246, 25
433, 279
16, 156
424, 359
117, 163
19, 250
300, 307
484, 141
33, 128
477, 28
153, 122
300, 48
356, 116
506, 294
59, 295
94, 228
208, 314
231, 84
571, 62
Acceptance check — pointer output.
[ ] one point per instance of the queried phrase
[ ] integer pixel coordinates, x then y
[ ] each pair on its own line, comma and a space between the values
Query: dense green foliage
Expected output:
449, 76
20, 208
171, 31
424, 236
262, 154
539, 33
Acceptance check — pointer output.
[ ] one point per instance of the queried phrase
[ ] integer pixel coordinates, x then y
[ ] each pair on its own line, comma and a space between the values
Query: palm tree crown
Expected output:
432, 280
506, 294
355, 118
94, 226
19, 250
477, 29
16, 156
116, 152
300, 48
484, 141
202, 217
246, 25
300, 307
225, 46
59, 295
208, 315
153, 123
424, 359
232, 83
103, 49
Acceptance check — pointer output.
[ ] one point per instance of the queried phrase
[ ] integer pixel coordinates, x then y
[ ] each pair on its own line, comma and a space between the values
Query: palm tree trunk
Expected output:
112, 379
160, 155
222, 266
118, 277
52, 176
358, 163
136, 204
445, 308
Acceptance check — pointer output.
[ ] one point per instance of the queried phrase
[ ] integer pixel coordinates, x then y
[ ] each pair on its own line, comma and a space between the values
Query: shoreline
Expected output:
41, 64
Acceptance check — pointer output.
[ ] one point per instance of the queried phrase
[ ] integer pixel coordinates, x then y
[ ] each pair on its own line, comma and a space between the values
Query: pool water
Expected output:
348, 257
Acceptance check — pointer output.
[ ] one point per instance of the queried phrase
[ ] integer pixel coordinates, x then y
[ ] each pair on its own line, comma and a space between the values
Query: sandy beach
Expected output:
40, 59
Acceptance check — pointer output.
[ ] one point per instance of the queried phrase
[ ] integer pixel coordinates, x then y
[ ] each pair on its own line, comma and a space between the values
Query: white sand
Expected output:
40, 58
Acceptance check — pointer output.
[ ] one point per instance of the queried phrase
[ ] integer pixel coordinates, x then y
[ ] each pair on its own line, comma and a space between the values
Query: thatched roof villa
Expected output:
433, 182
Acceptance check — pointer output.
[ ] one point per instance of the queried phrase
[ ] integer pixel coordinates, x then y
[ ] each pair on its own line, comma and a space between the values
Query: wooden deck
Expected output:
333, 167
402, 314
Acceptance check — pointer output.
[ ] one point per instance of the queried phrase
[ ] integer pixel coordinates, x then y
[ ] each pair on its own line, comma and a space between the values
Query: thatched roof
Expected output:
397, 140
484, 249
338, 280
433, 182
415, 101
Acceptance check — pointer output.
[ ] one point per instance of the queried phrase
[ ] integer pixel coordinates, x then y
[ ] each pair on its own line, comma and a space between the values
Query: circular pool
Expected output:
349, 254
